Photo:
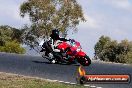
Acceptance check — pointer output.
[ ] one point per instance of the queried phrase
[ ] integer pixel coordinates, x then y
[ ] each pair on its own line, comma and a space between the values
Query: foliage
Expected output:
10, 39
101, 46
8, 33
129, 57
110, 50
46, 15
12, 47
5, 34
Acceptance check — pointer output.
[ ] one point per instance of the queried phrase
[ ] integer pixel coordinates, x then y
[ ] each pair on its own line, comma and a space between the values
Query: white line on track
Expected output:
67, 82
93, 86
98, 87
72, 83
86, 85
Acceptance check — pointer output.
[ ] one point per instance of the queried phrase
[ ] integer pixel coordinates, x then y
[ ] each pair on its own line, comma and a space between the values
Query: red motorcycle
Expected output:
70, 52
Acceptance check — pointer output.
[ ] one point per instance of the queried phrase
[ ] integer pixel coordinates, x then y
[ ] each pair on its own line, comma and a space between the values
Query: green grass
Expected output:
16, 81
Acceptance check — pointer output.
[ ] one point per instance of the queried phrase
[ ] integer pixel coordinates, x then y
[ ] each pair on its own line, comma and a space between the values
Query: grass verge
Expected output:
16, 81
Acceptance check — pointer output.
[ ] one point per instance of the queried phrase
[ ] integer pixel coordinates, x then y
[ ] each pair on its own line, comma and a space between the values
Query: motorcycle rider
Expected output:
54, 41
54, 37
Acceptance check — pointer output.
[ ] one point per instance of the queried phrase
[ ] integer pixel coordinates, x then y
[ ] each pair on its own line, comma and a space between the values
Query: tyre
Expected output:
85, 61
58, 57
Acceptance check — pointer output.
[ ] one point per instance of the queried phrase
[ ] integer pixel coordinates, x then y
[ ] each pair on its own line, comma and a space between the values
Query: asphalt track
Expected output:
36, 66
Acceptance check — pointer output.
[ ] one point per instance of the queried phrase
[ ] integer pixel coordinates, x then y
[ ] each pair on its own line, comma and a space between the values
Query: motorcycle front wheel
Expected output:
85, 61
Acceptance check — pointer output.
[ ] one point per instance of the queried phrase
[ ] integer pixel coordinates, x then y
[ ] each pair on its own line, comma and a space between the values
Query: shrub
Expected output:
110, 50
12, 47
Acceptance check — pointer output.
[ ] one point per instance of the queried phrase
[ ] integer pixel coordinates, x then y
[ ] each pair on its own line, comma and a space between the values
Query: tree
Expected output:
123, 48
48, 14
10, 39
100, 46
110, 50
129, 57
9, 33
5, 34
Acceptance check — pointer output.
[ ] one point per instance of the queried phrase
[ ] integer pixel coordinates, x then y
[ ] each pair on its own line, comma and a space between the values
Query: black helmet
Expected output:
55, 34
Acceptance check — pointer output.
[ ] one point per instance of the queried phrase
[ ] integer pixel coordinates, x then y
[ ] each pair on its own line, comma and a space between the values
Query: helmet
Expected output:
55, 34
